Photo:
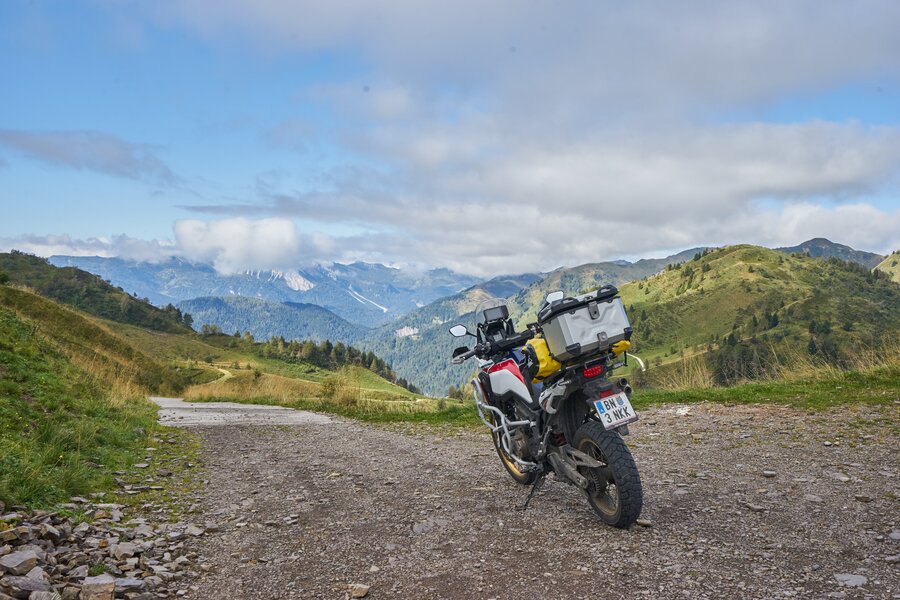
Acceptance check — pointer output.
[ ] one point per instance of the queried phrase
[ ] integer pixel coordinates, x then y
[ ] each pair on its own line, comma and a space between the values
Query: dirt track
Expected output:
305, 510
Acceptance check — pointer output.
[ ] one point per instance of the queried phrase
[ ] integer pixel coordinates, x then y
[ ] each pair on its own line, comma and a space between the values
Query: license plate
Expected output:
615, 410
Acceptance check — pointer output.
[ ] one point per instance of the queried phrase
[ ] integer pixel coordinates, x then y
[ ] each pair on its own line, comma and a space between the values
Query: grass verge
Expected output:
876, 386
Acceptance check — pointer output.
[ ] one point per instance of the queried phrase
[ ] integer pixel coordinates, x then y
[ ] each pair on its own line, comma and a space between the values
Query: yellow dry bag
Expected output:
548, 364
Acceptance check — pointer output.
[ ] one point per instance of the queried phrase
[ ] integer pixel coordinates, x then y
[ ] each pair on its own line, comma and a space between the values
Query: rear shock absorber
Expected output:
559, 439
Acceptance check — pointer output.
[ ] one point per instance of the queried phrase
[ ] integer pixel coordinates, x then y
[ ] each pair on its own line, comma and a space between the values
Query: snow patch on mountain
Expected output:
298, 282
363, 300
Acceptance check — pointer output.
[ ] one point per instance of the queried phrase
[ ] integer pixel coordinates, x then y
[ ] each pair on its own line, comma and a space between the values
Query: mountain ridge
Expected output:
363, 293
825, 248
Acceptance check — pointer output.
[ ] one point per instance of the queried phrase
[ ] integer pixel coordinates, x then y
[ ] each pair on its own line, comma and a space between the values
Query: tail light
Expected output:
593, 371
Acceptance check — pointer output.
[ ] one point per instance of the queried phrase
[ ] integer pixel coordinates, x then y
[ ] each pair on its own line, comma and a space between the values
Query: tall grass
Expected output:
795, 364
690, 372
789, 364
246, 385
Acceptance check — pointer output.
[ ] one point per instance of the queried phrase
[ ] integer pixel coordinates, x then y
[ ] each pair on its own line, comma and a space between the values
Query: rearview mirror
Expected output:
459, 331
554, 296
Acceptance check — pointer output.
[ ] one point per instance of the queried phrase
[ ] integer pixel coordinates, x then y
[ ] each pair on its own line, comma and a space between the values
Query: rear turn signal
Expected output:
593, 371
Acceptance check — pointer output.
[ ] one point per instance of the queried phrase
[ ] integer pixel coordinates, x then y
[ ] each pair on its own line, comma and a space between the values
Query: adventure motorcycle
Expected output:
547, 397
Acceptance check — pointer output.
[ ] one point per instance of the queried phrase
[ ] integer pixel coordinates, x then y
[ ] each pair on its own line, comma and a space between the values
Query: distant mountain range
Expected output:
417, 345
266, 319
690, 303
403, 316
362, 293
822, 248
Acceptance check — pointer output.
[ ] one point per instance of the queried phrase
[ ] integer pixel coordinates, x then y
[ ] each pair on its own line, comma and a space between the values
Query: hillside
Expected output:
265, 319
66, 422
750, 307
90, 344
824, 248
88, 292
363, 293
891, 266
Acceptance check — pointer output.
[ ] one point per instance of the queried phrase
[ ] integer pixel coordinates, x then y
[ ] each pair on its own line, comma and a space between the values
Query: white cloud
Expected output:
91, 151
561, 62
598, 197
230, 245
233, 245
516, 135
500, 241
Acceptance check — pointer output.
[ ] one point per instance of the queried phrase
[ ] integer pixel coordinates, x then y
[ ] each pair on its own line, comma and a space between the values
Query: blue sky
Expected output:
436, 135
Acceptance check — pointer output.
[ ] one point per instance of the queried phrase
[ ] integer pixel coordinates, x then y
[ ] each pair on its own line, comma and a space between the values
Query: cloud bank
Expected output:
90, 151
517, 135
238, 244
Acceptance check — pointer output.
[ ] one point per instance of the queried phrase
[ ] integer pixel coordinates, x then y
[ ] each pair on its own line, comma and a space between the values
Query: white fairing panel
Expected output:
503, 381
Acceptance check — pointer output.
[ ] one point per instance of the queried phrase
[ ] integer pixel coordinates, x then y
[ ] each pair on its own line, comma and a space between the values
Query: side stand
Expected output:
538, 484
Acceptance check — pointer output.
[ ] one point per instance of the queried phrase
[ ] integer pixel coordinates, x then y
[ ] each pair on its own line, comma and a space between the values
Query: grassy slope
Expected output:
73, 392
684, 312
90, 344
891, 266
86, 292
62, 430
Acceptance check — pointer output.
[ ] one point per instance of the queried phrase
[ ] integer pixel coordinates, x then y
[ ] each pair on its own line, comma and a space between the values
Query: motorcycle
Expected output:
549, 400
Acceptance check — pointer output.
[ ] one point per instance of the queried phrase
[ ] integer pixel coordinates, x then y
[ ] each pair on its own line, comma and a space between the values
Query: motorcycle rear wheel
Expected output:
614, 491
519, 476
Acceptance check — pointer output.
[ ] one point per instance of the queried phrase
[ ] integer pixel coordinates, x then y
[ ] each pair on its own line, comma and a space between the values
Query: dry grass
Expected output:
794, 364
247, 385
342, 393
121, 380
690, 372
791, 364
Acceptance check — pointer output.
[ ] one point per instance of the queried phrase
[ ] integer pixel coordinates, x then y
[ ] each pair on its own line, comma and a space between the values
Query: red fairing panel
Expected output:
508, 365
506, 377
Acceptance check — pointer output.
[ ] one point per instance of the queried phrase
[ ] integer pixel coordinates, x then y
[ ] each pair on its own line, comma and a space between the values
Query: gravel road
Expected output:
178, 413
744, 502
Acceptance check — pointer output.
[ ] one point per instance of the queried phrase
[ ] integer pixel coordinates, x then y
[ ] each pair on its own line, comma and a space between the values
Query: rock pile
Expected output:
47, 556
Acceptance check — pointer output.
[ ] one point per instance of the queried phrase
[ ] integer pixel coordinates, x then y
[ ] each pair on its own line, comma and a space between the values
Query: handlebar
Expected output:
488, 348
458, 360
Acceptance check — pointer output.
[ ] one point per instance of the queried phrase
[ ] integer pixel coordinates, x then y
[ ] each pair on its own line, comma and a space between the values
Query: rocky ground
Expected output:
741, 502
131, 543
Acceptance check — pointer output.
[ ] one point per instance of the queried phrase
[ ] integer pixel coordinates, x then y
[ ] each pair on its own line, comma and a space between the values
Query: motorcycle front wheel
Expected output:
520, 476
614, 490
